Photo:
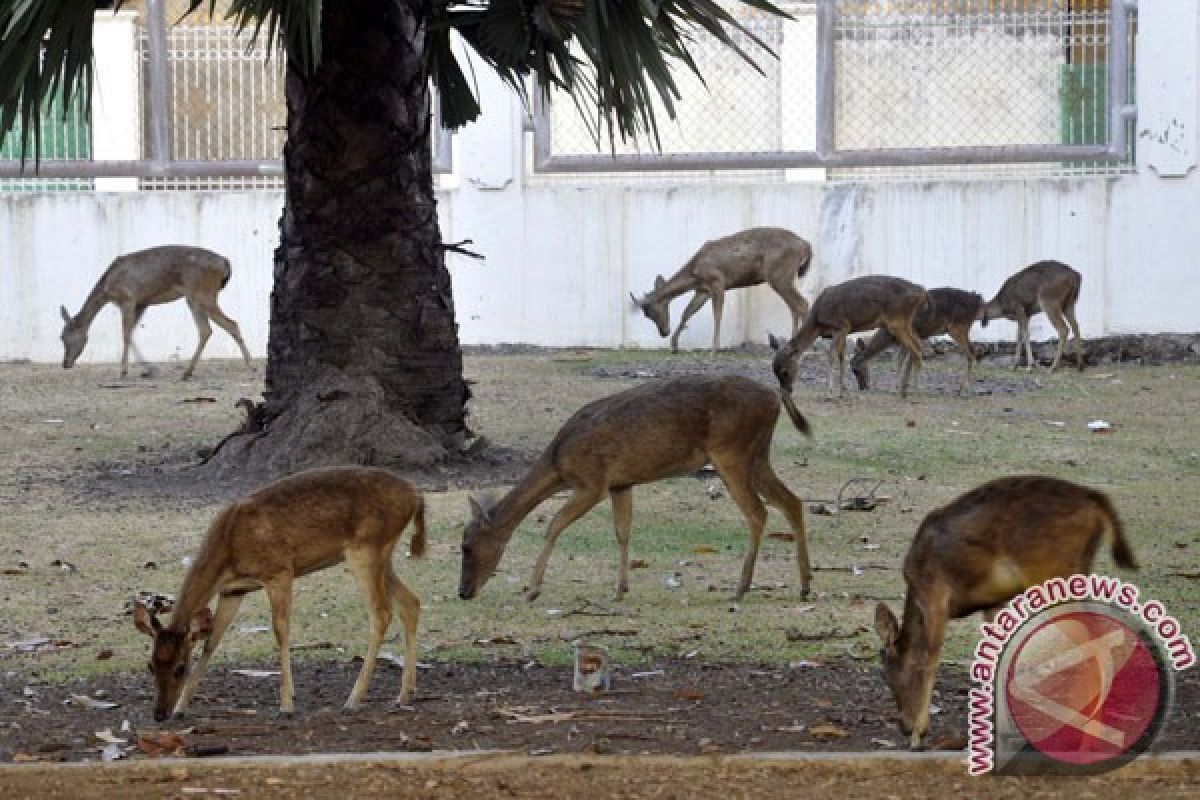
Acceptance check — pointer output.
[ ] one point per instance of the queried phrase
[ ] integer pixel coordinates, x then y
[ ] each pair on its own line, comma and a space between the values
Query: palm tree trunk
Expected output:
363, 362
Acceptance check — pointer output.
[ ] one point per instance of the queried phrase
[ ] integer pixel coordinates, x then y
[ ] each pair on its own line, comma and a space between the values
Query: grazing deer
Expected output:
149, 278
949, 311
859, 304
773, 256
976, 554
654, 431
295, 526
1049, 286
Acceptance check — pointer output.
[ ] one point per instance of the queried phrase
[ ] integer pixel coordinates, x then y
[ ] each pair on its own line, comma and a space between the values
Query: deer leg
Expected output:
779, 495
227, 324
410, 614
912, 366
129, 321
203, 331
1069, 312
839, 344
699, 298
622, 505
147, 368
579, 503
369, 570
961, 336
279, 593
1060, 326
718, 301
1023, 336
736, 476
795, 301
227, 608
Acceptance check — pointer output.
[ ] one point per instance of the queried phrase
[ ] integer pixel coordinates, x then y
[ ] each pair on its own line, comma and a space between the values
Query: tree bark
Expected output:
363, 361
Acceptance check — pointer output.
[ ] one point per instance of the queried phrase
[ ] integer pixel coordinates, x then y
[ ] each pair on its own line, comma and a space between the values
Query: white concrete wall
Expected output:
562, 257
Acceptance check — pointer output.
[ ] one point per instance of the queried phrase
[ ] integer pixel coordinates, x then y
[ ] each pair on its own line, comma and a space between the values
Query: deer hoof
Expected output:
532, 594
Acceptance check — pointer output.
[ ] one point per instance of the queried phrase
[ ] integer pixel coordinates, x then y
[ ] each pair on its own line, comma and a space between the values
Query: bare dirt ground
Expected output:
497, 775
101, 498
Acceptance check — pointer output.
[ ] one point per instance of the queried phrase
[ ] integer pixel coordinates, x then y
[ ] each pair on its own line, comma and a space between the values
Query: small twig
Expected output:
457, 247
583, 611
572, 636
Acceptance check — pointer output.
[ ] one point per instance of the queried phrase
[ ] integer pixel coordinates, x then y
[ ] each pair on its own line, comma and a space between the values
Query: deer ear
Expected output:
481, 507
636, 303
202, 625
887, 627
146, 622
659, 282
775, 343
65, 314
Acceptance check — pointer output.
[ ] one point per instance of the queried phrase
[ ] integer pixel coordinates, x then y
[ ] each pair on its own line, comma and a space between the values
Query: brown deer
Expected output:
1049, 286
859, 304
151, 277
654, 431
290, 528
976, 554
773, 256
949, 311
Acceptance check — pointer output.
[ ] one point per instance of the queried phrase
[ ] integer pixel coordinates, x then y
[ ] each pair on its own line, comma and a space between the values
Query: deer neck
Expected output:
539, 483
912, 639
199, 586
97, 300
680, 283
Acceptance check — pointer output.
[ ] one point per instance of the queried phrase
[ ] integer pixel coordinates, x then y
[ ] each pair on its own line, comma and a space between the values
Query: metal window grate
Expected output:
64, 136
900, 89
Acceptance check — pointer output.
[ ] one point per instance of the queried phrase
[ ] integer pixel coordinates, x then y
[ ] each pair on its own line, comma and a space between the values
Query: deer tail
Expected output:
416, 547
1122, 553
802, 267
797, 418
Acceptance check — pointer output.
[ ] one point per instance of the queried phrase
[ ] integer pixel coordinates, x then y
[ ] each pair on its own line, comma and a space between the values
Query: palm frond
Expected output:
47, 48
622, 59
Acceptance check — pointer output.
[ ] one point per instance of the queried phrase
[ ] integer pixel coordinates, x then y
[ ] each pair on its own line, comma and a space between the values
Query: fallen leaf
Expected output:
65, 566
161, 744
462, 726
199, 400
256, 673
782, 536
106, 736
111, 752
791, 729
827, 730
686, 693
24, 758
638, 563
91, 702
883, 742
704, 550
949, 741
104, 654
20, 568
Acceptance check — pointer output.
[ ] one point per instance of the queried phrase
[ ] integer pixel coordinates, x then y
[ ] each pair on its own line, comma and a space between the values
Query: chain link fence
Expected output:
898, 89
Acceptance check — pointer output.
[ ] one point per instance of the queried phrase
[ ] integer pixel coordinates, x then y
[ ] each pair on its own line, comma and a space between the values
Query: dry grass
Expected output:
64, 498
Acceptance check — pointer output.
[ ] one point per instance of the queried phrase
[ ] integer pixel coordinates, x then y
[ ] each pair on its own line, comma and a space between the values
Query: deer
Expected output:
752, 257
949, 311
1049, 286
859, 304
296, 526
977, 553
657, 430
135, 281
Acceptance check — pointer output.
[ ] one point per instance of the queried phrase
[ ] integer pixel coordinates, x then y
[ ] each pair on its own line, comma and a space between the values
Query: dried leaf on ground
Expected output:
161, 744
827, 730
688, 693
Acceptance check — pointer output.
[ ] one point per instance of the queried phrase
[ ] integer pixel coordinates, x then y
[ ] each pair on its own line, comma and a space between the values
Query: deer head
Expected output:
482, 546
74, 338
784, 363
655, 308
171, 656
903, 669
